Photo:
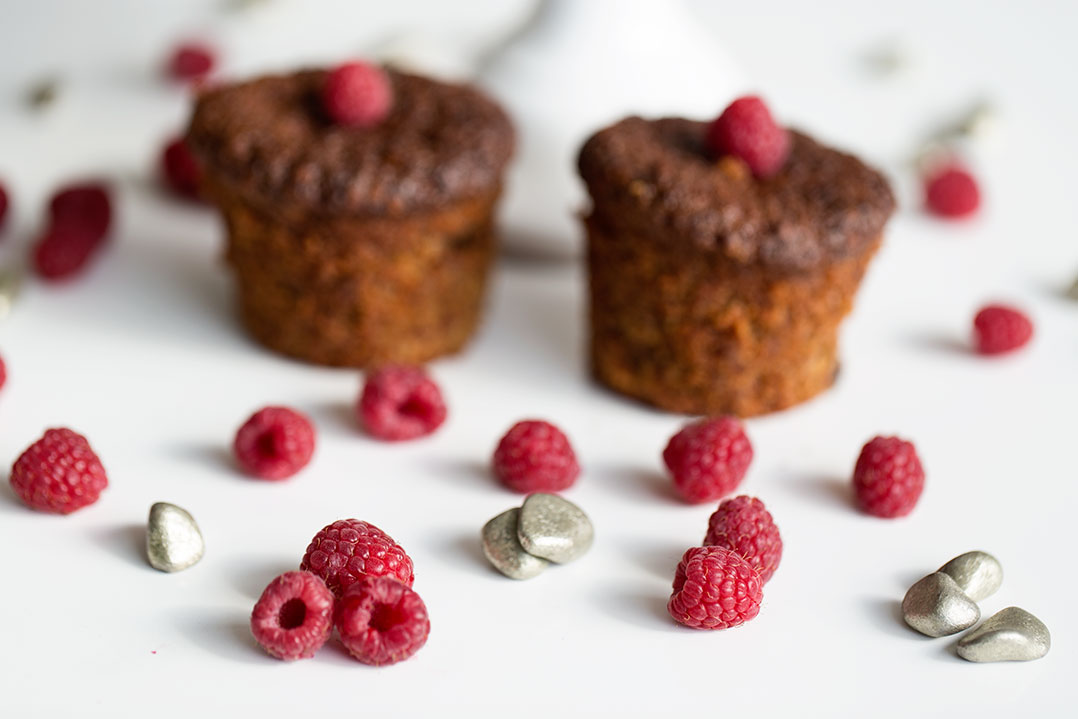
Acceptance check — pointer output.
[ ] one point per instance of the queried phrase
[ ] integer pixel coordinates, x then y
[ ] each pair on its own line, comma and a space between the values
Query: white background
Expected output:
144, 356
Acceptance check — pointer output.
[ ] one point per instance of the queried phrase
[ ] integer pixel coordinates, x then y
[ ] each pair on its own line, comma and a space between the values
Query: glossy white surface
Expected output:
143, 356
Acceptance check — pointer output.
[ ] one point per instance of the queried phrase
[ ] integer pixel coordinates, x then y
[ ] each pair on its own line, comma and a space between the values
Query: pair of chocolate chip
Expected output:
945, 602
521, 543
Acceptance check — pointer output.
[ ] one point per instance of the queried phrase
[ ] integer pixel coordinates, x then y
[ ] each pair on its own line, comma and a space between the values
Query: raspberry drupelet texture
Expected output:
59, 473
294, 616
888, 478
998, 329
746, 130
381, 621
744, 525
84, 208
62, 253
344, 552
191, 61
708, 458
535, 456
180, 169
951, 191
715, 588
357, 94
275, 443
400, 403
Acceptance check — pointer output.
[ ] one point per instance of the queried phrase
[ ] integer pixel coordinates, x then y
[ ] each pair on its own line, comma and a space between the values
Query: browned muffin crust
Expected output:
270, 140
355, 247
713, 292
823, 205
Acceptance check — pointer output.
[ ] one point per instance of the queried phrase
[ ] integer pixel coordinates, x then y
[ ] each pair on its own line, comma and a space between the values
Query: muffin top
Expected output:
270, 140
822, 206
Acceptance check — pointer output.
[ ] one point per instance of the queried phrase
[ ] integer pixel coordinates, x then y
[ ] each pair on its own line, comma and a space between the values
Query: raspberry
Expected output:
535, 456
708, 458
344, 552
3, 204
63, 253
59, 473
744, 525
3, 373
888, 477
83, 208
181, 170
399, 403
357, 94
998, 329
191, 61
715, 588
746, 130
275, 443
294, 616
951, 191
381, 621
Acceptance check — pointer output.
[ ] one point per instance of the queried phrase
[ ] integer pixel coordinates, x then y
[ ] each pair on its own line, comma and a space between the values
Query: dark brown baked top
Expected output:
822, 205
270, 139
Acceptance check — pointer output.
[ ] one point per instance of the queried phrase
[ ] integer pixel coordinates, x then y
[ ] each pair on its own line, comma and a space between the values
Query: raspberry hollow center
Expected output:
415, 407
386, 616
267, 444
292, 614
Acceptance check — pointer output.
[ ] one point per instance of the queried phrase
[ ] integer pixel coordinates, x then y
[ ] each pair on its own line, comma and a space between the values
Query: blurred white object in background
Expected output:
578, 66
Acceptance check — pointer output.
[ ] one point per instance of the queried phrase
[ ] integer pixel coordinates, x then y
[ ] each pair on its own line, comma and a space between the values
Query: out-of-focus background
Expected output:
144, 356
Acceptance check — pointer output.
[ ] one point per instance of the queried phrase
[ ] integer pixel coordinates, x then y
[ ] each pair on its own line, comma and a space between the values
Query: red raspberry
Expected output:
3, 204
3, 373
191, 61
381, 621
294, 616
357, 94
888, 477
347, 550
181, 170
998, 329
85, 208
708, 458
746, 130
59, 473
715, 588
275, 443
744, 525
62, 253
951, 191
399, 403
535, 456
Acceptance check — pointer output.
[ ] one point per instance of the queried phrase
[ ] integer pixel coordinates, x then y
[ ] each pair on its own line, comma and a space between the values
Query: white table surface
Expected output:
144, 356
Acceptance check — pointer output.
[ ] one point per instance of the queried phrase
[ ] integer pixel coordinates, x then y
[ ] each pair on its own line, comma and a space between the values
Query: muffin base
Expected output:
703, 335
360, 291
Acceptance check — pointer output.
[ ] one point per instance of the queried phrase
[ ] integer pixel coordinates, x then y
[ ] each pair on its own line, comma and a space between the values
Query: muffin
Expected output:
713, 291
355, 246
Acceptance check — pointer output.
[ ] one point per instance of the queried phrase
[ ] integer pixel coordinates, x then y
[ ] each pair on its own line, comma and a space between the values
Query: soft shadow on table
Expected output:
642, 608
658, 559
886, 614
643, 483
471, 473
126, 542
939, 342
226, 633
830, 491
463, 549
215, 457
337, 416
250, 577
